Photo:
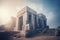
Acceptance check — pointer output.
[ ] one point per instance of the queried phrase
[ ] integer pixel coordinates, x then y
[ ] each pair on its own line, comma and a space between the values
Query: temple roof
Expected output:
27, 9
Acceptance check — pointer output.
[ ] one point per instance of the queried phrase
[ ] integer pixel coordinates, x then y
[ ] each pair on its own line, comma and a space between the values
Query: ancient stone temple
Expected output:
28, 20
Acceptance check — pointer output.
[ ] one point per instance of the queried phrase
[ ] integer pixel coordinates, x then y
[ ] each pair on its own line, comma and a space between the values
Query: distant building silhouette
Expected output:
2, 28
58, 31
28, 20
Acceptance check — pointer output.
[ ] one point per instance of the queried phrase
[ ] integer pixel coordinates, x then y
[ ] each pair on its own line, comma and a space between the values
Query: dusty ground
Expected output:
39, 38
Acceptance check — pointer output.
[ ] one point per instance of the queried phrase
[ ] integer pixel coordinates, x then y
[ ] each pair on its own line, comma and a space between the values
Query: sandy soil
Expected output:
39, 38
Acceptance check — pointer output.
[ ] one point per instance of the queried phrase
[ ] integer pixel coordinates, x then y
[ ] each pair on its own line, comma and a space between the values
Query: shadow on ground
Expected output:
5, 36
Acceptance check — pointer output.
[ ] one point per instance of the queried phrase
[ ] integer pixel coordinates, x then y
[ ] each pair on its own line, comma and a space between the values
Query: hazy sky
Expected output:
10, 8
50, 8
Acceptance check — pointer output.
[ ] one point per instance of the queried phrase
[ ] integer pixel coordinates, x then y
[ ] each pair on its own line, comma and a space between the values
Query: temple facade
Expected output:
28, 20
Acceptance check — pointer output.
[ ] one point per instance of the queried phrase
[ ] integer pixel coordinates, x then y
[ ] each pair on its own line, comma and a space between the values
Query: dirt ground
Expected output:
39, 38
